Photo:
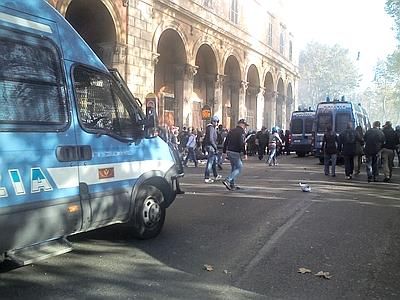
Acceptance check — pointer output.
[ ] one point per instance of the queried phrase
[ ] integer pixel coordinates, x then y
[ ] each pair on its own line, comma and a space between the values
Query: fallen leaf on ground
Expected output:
303, 270
324, 275
208, 268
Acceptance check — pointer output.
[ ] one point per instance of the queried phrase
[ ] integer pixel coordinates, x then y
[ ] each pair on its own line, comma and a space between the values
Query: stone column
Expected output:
189, 73
273, 109
260, 108
219, 83
242, 99
180, 94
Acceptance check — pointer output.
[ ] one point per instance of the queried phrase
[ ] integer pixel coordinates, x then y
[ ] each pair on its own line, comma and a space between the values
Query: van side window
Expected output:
31, 84
102, 106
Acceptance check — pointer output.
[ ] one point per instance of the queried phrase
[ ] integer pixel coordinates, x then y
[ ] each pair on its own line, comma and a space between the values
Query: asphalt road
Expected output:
255, 240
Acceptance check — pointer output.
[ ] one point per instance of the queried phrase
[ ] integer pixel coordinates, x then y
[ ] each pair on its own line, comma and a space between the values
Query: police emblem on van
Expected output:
106, 173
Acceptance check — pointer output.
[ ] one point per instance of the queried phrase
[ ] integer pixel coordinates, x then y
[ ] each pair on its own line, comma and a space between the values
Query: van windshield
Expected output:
323, 121
297, 126
341, 121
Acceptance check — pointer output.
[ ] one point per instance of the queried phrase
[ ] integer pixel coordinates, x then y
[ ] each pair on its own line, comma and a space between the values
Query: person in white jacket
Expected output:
273, 144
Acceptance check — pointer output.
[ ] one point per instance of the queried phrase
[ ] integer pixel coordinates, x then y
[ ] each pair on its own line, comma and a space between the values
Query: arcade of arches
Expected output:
185, 75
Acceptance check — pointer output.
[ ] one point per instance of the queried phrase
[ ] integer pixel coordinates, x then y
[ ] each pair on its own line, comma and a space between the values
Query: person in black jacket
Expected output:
391, 140
329, 146
234, 146
374, 139
347, 145
262, 138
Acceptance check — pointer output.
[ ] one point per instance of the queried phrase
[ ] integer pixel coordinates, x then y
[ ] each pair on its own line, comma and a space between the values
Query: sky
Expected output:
358, 25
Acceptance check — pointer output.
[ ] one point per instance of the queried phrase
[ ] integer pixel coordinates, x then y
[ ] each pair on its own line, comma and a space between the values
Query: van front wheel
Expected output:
149, 214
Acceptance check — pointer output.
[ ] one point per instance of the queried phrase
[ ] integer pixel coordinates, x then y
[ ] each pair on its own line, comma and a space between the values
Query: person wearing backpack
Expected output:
347, 146
329, 146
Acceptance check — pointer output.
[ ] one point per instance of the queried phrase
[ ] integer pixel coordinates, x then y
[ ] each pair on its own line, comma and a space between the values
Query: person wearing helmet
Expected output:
274, 140
210, 145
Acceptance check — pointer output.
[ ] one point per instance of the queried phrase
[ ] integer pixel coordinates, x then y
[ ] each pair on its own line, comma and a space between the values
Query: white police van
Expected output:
74, 154
336, 114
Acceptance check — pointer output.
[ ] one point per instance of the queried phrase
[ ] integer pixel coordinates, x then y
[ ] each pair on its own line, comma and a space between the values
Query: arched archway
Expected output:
169, 77
280, 99
204, 83
252, 92
269, 98
230, 92
99, 32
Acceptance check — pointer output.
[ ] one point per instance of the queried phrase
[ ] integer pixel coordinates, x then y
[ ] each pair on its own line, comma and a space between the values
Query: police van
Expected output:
301, 126
336, 114
74, 153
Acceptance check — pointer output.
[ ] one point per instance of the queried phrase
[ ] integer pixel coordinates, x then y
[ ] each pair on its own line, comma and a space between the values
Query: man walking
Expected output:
347, 145
262, 138
210, 144
234, 148
391, 140
374, 139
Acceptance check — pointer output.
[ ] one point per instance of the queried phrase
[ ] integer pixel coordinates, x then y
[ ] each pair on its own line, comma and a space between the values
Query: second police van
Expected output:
74, 153
301, 126
337, 114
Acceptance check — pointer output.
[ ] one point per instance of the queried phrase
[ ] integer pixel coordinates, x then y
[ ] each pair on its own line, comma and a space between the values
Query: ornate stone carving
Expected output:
155, 57
190, 71
125, 3
244, 85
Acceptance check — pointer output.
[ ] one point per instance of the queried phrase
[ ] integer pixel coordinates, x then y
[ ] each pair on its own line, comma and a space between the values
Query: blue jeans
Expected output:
211, 162
236, 166
191, 155
272, 155
332, 158
372, 166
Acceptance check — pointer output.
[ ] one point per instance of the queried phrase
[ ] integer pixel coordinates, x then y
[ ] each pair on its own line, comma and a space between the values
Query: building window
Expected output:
290, 51
270, 34
234, 12
282, 44
208, 3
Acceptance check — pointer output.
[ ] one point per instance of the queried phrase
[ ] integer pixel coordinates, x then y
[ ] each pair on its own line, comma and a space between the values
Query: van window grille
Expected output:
102, 107
31, 89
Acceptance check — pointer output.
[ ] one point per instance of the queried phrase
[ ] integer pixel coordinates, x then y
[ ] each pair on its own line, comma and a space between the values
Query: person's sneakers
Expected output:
227, 184
219, 177
235, 188
333, 175
347, 178
386, 179
376, 179
369, 179
208, 180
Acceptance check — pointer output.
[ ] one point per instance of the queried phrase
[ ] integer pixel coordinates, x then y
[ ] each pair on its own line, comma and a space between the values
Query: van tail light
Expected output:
313, 139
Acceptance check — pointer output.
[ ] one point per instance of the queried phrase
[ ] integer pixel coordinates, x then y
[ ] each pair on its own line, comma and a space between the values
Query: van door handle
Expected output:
73, 153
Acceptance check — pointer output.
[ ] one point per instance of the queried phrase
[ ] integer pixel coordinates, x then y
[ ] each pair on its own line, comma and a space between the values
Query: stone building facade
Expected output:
232, 58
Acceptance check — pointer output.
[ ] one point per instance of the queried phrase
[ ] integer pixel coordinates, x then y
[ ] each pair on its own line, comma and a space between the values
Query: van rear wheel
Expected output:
149, 213
300, 154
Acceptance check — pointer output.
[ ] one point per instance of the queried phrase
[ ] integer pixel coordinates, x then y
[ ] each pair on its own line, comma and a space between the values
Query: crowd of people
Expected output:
378, 146
213, 145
